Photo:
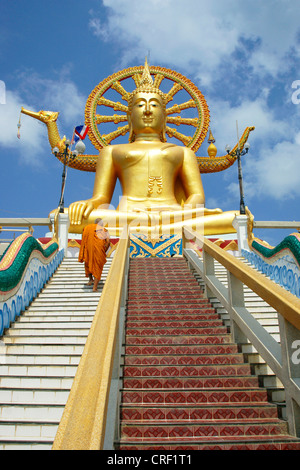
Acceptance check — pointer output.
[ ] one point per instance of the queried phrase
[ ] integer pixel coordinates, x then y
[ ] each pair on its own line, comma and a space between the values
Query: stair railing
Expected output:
284, 357
90, 417
25, 267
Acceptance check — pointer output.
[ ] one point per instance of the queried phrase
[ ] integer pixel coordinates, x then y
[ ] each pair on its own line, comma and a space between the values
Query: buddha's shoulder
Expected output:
133, 147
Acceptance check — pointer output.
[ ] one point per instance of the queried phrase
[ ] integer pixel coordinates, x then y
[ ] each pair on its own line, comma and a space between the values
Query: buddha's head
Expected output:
146, 109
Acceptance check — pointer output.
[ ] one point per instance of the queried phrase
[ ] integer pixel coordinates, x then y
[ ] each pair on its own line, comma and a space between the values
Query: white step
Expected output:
18, 429
52, 317
41, 370
50, 339
35, 382
32, 412
37, 396
25, 444
57, 329
36, 325
40, 349
39, 356
54, 308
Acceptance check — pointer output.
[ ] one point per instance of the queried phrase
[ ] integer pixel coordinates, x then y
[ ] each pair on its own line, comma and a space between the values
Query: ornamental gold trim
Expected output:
161, 75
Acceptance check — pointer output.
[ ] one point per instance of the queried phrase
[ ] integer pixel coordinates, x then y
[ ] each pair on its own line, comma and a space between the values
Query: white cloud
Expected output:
32, 135
271, 169
276, 172
200, 32
55, 95
60, 95
268, 127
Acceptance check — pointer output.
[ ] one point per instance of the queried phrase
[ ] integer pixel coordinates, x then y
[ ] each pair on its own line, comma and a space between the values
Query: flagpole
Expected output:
63, 184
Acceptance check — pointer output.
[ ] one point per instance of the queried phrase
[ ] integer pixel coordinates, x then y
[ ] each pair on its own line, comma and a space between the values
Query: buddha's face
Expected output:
147, 114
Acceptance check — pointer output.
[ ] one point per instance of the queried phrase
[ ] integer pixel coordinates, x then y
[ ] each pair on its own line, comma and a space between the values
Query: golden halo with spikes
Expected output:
142, 77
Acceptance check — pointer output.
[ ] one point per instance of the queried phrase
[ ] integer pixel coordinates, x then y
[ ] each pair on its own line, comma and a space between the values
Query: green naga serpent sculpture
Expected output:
209, 164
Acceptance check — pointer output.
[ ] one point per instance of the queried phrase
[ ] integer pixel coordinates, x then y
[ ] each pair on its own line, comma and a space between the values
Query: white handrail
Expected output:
282, 358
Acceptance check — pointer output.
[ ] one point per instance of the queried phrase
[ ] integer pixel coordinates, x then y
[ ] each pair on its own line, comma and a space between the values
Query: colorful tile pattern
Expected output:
143, 246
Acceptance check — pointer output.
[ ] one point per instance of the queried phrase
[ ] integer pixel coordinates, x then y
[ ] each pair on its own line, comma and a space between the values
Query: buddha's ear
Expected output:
163, 133
131, 134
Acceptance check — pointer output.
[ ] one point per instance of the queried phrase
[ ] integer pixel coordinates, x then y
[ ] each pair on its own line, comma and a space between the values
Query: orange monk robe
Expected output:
94, 243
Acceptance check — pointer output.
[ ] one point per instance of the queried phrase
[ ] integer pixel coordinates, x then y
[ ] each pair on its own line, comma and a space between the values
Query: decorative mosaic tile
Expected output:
185, 385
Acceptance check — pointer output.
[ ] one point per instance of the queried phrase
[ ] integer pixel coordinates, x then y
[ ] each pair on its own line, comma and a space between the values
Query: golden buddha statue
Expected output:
154, 175
161, 183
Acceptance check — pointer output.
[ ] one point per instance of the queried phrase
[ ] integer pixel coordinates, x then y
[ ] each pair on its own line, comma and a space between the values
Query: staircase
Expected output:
39, 357
185, 384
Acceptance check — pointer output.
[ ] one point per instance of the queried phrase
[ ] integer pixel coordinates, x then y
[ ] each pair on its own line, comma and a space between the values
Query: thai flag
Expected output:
80, 132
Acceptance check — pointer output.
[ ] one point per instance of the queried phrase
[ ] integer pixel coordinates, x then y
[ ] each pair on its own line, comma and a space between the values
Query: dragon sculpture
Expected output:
210, 164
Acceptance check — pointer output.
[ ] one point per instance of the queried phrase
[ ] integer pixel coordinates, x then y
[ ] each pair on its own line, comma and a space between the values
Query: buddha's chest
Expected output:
153, 161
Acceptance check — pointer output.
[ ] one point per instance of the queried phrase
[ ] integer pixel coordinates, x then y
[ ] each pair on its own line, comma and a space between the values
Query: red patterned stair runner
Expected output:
185, 385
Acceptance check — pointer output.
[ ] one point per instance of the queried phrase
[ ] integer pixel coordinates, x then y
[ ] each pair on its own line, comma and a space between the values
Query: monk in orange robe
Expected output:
94, 243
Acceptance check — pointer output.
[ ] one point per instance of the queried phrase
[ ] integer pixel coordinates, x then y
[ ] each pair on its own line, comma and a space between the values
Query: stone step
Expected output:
167, 303
137, 315
68, 302
57, 325
172, 283
70, 290
181, 430
168, 278
36, 382
25, 348
167, 350
180, 339
183, 359
165, 290
195, 396
200, 303
165, 296
39, 356
60, 308
32, 412
69, 276
65, 296
45, 339
73, 283
27, 430
216, 412
182, 331
214, 443
25, 444
46, 369
28, 396
195, 370
170, 309
219, 382
172, 323
176, 390
32, 333
53, 318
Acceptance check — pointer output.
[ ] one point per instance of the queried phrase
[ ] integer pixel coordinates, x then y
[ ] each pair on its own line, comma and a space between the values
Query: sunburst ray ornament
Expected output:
100, 119
147, 79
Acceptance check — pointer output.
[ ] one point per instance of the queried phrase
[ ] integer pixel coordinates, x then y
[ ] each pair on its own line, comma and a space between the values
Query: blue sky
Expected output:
243, 56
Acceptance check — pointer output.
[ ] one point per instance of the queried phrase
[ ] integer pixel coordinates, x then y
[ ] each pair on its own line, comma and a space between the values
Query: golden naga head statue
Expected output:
146, 85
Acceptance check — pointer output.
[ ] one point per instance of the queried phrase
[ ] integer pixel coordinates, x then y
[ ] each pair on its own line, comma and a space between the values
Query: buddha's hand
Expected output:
212, 211
79, 210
